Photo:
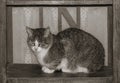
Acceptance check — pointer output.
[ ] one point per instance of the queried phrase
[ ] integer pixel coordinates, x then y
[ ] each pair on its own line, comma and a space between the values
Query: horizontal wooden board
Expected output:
55, 80
29, 70
57, 2
20, 73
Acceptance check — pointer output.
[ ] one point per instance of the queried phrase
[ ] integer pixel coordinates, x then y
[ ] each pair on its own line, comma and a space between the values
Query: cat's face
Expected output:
39, 39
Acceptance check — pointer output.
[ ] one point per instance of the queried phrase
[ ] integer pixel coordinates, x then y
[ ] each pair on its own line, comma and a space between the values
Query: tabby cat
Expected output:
72, 50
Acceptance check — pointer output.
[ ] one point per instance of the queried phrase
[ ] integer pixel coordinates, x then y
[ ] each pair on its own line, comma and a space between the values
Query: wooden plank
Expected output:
59, 80
9, 36
110, 36
56, 2
2, 41
116, 41
78, 17
59, 22
25, 70
41, 16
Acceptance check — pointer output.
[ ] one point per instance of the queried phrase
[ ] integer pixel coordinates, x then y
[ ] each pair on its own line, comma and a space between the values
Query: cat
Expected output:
71, 50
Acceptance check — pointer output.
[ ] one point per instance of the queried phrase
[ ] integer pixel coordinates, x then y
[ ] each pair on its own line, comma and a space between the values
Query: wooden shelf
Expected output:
23, 73
27, 70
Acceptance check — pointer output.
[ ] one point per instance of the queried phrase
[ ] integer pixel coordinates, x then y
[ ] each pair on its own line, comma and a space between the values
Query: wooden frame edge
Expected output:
3, 41
59, 2
116, 40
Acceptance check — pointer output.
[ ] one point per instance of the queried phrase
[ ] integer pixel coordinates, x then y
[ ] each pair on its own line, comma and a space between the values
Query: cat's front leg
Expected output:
47, 70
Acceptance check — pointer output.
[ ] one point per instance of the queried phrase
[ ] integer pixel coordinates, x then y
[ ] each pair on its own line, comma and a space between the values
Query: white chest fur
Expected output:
63, 64
41, 55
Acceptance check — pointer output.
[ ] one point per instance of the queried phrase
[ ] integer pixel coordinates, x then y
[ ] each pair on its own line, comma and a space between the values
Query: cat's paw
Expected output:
47, 70
66, 70
79, 69
82, 69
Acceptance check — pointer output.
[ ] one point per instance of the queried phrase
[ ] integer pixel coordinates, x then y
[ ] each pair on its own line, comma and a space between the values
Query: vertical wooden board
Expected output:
116, 40
9, 36
2, 41
78, 17
59, 21
41, 17
110, 36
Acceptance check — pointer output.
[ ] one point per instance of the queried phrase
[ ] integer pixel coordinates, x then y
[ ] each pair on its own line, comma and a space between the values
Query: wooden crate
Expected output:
21, 73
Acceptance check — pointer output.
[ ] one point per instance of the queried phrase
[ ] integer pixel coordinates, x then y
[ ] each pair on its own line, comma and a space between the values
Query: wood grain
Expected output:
59, 80
9, 36
78, 17
116, 41
2, 41
41, 16
21, 73
110, 35
58, 2
59, 22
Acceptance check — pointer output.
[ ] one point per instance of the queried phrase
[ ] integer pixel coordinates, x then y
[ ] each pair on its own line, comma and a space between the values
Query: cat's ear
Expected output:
47, 32
29, 31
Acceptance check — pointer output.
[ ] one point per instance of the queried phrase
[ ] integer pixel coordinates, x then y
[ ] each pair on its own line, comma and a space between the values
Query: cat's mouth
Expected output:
36, 50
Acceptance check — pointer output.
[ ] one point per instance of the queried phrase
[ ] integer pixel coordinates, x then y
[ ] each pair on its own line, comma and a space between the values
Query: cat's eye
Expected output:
39, 45
44, 45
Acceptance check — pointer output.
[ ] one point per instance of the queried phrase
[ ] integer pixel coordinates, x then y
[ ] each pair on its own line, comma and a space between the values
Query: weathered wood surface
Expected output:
59, 80
2, 41
116, 41
110, 36
9, 36
25, 70
21, 73
59, 2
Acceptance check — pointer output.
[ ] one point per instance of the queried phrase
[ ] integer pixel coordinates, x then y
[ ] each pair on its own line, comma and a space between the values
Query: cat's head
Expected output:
39, 38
